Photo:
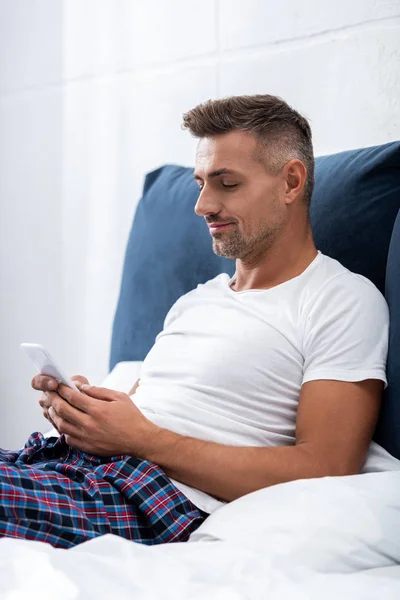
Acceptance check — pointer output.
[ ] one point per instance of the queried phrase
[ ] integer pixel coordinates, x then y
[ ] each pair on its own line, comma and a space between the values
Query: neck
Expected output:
287, 258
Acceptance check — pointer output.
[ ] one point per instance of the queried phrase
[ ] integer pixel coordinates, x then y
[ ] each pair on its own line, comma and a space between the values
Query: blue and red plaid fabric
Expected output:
52, 493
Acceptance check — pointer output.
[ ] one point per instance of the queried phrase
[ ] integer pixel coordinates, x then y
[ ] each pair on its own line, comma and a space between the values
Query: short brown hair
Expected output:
276, 126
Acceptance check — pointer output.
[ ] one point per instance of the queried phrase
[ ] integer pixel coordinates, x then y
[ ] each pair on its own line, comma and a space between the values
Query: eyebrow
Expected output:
216, 173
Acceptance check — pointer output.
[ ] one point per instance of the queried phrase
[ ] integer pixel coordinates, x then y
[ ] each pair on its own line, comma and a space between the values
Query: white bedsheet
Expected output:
110, 567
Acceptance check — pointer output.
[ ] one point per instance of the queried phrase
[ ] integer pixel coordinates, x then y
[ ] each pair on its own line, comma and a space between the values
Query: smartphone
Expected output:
45, 363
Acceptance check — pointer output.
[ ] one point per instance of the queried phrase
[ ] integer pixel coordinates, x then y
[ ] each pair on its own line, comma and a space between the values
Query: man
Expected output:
274, 375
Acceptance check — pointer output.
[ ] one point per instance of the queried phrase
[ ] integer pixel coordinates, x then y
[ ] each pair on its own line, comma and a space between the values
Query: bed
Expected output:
320, 538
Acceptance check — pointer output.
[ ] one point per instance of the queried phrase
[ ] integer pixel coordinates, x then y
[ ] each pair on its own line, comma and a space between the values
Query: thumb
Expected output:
79, 379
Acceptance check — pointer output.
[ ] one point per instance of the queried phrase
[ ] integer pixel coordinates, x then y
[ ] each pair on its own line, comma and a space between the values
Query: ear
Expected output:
295, 175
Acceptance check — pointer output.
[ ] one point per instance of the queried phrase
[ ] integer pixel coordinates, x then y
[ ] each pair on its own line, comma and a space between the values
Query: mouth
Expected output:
215, 228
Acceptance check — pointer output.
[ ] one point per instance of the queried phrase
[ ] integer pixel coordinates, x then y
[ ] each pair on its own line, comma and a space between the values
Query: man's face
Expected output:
236, 188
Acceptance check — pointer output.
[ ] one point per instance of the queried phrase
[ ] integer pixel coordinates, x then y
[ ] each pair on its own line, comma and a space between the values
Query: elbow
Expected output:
331, 465
343, 469
335, 470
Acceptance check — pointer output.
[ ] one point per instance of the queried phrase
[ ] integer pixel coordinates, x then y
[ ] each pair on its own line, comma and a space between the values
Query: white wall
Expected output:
91, 97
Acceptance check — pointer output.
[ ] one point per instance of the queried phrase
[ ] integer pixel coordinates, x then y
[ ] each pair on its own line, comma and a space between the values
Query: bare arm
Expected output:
133, 390
335, 424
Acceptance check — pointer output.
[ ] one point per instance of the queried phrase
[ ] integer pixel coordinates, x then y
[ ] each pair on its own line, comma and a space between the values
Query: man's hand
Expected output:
100, 421
46, 384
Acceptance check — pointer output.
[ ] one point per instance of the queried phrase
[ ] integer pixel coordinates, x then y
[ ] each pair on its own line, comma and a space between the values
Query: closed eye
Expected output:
224, 185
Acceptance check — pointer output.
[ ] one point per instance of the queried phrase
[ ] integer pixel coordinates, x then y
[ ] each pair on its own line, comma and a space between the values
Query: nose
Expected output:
207, 203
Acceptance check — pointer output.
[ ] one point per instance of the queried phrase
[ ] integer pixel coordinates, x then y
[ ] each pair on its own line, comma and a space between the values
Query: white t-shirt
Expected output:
228, 366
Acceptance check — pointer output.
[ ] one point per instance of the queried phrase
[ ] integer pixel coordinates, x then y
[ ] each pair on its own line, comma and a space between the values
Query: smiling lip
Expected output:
218, 226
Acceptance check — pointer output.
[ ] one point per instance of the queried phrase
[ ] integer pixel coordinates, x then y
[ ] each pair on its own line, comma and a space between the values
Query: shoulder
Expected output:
194, 297
334, 287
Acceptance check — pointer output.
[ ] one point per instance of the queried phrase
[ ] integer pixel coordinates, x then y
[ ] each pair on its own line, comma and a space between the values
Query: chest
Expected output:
222, 343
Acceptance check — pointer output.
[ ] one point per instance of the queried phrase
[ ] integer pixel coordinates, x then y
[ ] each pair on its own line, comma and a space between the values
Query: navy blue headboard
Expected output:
388, 430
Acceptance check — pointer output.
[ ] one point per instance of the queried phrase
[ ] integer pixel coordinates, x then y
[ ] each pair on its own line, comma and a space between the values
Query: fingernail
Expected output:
51, 385
84, 386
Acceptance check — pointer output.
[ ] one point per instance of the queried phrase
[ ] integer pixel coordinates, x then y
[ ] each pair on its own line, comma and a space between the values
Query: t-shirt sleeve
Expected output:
346, 332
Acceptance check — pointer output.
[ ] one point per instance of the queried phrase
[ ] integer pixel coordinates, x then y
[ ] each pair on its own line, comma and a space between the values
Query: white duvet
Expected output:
331, 538
110, 567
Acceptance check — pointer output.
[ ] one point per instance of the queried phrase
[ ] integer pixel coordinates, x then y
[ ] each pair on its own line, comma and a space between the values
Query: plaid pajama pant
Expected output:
52, 493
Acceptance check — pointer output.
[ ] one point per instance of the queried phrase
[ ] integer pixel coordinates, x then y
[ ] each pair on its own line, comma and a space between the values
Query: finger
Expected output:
50, 397
79, 378
101, 393
62, 425
68, 412
76, 399
44, 382
47, 416
45, 400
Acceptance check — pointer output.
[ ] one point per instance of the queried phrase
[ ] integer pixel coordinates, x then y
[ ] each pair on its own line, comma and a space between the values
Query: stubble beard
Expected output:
234, 245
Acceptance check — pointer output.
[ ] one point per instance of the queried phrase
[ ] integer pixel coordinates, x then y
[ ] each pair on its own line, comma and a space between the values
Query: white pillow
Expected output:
123, 376
332, 524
